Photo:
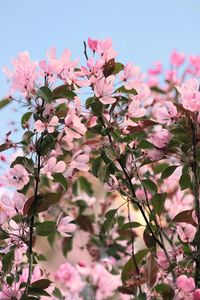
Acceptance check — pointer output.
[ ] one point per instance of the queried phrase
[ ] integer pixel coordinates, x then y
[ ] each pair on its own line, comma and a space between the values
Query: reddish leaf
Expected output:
185, 216
144, 124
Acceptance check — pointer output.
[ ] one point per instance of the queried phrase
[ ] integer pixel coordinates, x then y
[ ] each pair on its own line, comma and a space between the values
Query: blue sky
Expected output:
142, 31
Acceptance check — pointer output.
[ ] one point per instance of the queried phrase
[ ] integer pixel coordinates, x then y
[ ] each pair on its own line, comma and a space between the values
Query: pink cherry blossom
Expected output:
92, 121
79, 161
18, 176
49, 126
190, 94
104, 90
180, 200
135, 110
186, 233
74, 128
195, 63
184, 283
154, 154
177, 58
24, 75
55, 66
52, 166
165, 113
92, 44
104, 47
162, 259
67, 275
157, 68
64, 226
130, 74
196, 294
161, 138
106, 282
11, 292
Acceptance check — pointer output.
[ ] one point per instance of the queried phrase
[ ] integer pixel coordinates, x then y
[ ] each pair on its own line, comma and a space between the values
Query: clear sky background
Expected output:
142, 31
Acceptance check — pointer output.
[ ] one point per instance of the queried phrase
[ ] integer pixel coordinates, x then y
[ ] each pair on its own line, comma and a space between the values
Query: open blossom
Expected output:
9, 205
79, 161
9, 292
135, 110
196, 294
106, 282
24, 75
67, 275
161, 138
162, 259
18, 176
104, 47
186, 233
52, 166
157, 68
49, 126
74, 128
55, 66
64, 226
177, 58
130, 74
180, 200
103, 89
165, 112
190, 94
186, 284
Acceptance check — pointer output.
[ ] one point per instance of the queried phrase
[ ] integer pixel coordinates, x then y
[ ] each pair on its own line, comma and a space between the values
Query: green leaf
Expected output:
7, 262
130, 267
144, 144
123, 90
45, 93
89, 101
150, 185
57, 293
45, 201
158, 202
42, 283
131, 225
185, 180
97, 107
63, 91
110, 213
166, 291
142, 296
47, 145
196, 239
85, 185
5, 102
58, 177
25, 118
45, 228
37, 291
110, 220
67, 245
96, 165
118, 67
25, 161
168, 172
160, 168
